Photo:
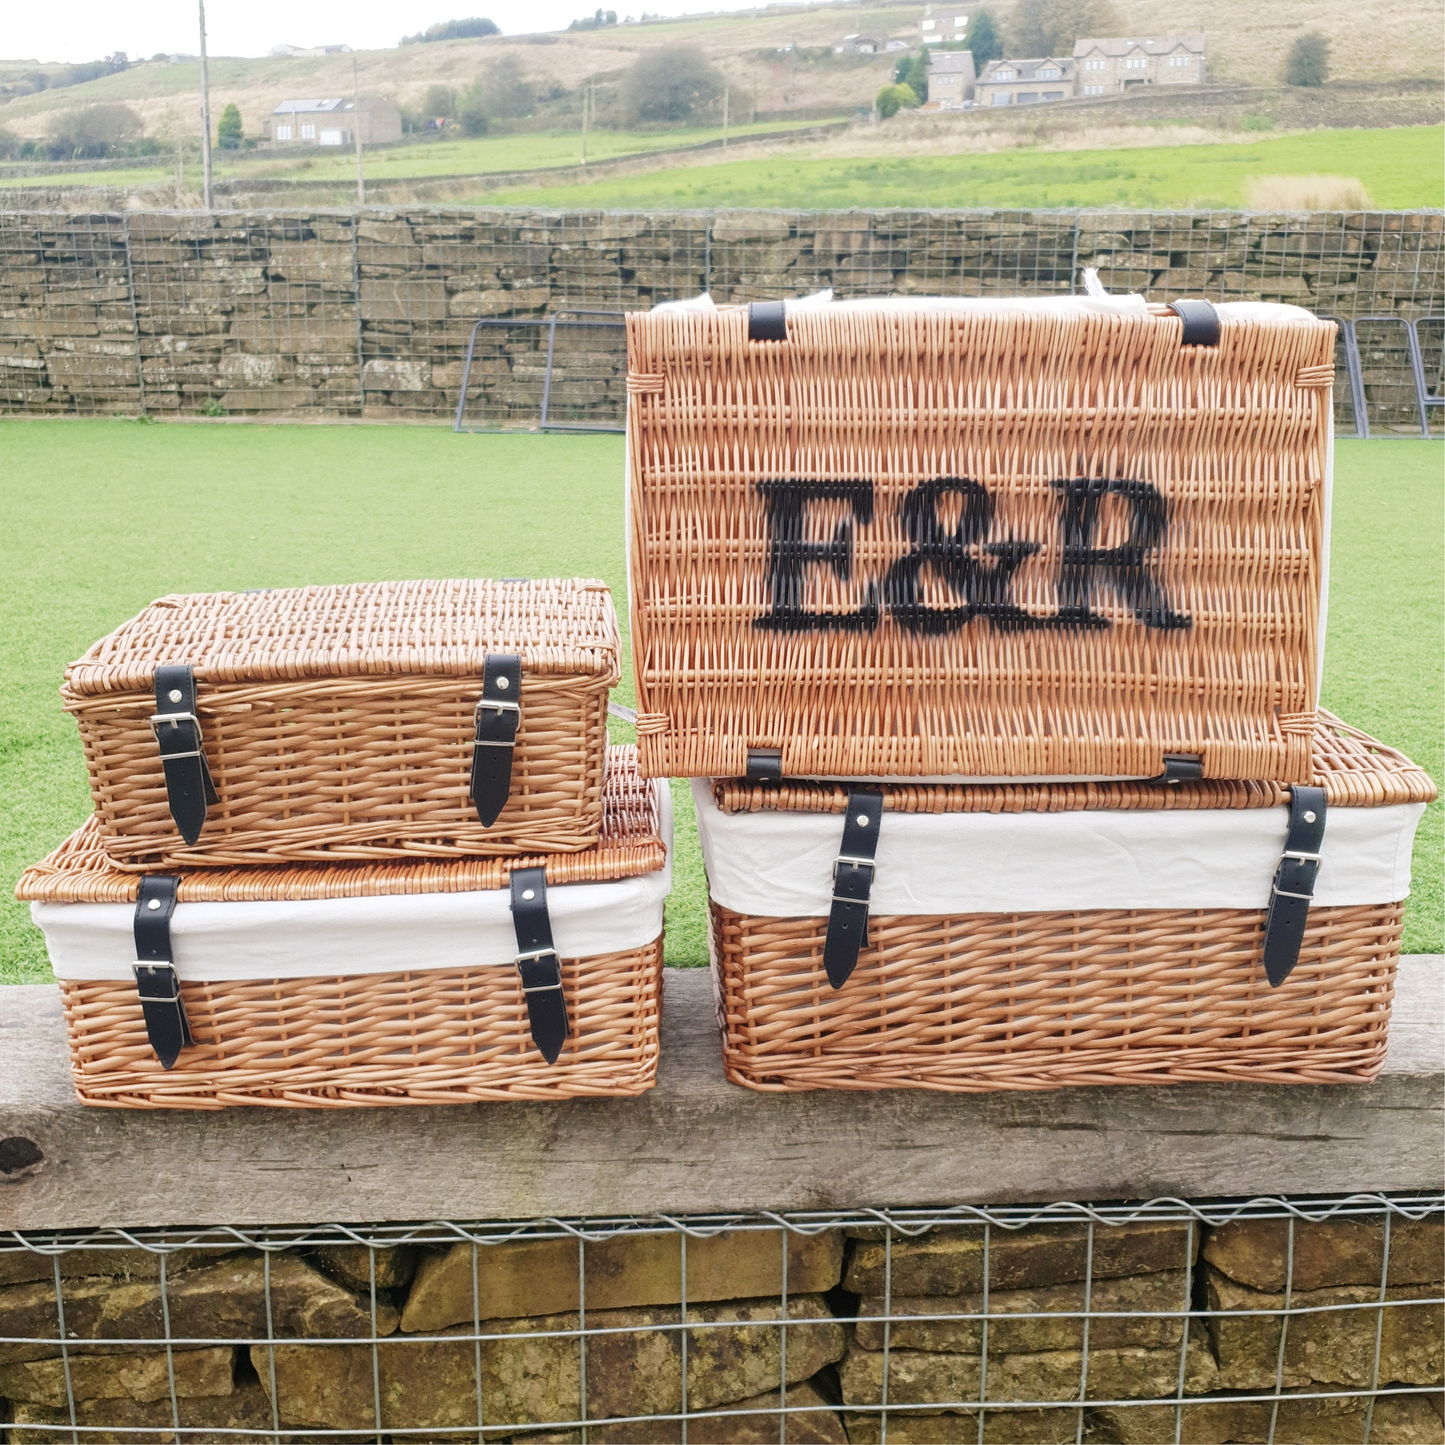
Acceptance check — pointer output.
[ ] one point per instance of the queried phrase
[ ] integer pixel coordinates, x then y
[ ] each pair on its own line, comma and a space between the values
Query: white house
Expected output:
938, 29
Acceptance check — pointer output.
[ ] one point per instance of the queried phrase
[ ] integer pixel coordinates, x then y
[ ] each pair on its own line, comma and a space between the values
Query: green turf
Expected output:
103, 516
1400, 168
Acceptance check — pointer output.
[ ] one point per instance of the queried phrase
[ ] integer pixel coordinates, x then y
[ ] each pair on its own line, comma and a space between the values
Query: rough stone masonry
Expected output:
857, 1305
369, 313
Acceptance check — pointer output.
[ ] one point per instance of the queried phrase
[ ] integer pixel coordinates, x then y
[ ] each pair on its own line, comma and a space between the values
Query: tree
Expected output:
228, 128
500, 92
474, 29
439, 102
893, 98
1050, 27
1308, 61
984, 39
600, 21
912, 71
94, 131
673, 85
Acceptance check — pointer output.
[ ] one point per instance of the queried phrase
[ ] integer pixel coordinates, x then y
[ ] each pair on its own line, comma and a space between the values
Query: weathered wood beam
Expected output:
696, 1143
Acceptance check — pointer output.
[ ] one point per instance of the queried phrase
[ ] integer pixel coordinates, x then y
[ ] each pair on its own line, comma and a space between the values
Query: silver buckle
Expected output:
136, 967
867, 863
541, 987
1301, 857
173, 718
1305, 897
496, 707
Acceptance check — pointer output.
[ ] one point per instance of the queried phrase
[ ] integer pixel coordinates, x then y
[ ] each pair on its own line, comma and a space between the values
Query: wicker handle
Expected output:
644, 383
1323, 375
649, 723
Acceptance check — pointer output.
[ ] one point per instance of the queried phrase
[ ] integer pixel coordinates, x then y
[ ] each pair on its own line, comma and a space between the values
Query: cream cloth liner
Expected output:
337, 936
780, 865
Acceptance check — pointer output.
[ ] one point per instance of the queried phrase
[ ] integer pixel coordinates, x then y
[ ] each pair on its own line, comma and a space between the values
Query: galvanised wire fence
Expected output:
1272, 1320
369, 313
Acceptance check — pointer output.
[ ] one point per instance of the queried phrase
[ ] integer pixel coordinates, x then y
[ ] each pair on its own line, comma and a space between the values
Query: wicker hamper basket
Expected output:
978, 539
327, 985
1031, 936
361, 722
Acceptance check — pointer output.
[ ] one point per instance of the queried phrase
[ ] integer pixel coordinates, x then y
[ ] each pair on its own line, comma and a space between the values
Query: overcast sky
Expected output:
88, 29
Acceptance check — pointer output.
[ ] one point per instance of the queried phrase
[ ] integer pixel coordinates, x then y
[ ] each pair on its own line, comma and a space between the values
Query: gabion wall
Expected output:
368, 313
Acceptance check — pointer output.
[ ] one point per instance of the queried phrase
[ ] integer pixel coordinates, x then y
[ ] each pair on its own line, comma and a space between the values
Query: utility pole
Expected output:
356, 133
205, 114
586, 97
726, 91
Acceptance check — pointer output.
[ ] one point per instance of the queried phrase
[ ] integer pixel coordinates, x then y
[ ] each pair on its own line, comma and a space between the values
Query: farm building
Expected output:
333, 122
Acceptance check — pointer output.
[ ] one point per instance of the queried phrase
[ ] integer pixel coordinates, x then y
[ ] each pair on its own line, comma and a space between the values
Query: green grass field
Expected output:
542, 150
1400, 168
260, 506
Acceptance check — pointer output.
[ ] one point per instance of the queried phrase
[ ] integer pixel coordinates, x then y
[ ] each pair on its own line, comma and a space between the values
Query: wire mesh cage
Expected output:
1265, 1320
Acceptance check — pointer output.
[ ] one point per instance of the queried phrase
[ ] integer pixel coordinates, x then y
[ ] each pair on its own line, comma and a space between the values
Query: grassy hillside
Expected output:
1399, 168
1372, 40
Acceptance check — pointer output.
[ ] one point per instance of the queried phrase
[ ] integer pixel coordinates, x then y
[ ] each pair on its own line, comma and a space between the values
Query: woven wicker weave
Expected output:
1039, 1000
443, 1036
929, 542
338, 721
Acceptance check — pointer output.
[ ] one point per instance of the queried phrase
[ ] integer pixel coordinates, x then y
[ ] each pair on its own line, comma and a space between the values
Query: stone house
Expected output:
867, 43
1024, 82
333, 122
940, 29
950, 79
1109, 65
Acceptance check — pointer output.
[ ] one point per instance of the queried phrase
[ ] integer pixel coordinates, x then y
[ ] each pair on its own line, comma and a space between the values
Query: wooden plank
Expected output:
696, 1143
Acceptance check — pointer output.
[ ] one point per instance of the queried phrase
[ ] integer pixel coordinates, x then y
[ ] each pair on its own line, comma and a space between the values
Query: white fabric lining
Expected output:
335, 937
779, 864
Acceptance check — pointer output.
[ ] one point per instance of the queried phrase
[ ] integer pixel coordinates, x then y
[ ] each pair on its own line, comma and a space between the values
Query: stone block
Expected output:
950, 1260
1000, 1427
751, 226
476, 304
241, 369
320, 262
82, 374
144, 1376
1162, 1292
350, 1264
473, 279
530, 1379
541, 1276
1335, 1347
917, 1377
391, 374
226, 1300
1331, 1252
404, 300
1397, 1420
384, 233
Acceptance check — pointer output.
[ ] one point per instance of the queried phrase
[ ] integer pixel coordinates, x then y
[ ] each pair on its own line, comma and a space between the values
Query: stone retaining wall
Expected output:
368, 313
429, 1372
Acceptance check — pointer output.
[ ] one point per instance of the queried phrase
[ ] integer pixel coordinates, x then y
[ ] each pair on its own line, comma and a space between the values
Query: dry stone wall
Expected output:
369, 313
859, 1305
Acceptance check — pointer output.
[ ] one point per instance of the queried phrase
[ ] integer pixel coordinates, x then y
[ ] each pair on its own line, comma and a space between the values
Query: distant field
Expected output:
437, 158
1400, 169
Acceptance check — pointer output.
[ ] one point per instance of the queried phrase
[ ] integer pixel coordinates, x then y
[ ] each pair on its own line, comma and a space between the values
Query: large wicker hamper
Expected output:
326, 985
978, 539
361, 722
1031, 936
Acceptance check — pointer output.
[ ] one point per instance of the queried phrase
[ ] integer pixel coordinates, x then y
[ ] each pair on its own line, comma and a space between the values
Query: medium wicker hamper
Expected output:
335, 984
978, 539
1029, 936
388, 720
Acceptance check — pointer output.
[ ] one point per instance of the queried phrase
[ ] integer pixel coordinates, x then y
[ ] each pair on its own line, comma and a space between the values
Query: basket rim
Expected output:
418, 627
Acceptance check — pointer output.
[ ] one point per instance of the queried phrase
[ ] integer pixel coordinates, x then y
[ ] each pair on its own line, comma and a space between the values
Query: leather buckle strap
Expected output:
1201, 322
177, 730
853, 871
538, 966
1294, 883
498, 717
767, 321
167, 1027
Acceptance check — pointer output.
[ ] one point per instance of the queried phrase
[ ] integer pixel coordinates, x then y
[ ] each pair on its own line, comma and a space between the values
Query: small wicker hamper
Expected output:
334, 984
1035, 935
973, 539
386, 720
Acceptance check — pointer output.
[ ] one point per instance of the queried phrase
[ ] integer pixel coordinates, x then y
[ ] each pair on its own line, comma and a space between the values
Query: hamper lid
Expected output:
556, 626
1354, 769
631, 844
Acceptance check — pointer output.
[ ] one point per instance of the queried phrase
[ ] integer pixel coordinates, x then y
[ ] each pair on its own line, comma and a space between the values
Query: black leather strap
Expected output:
767, 321
765, 765
177, 729
852, 883
1294, 884
1201, 322
498, 715
537, 962
1180, 768
167, 1027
